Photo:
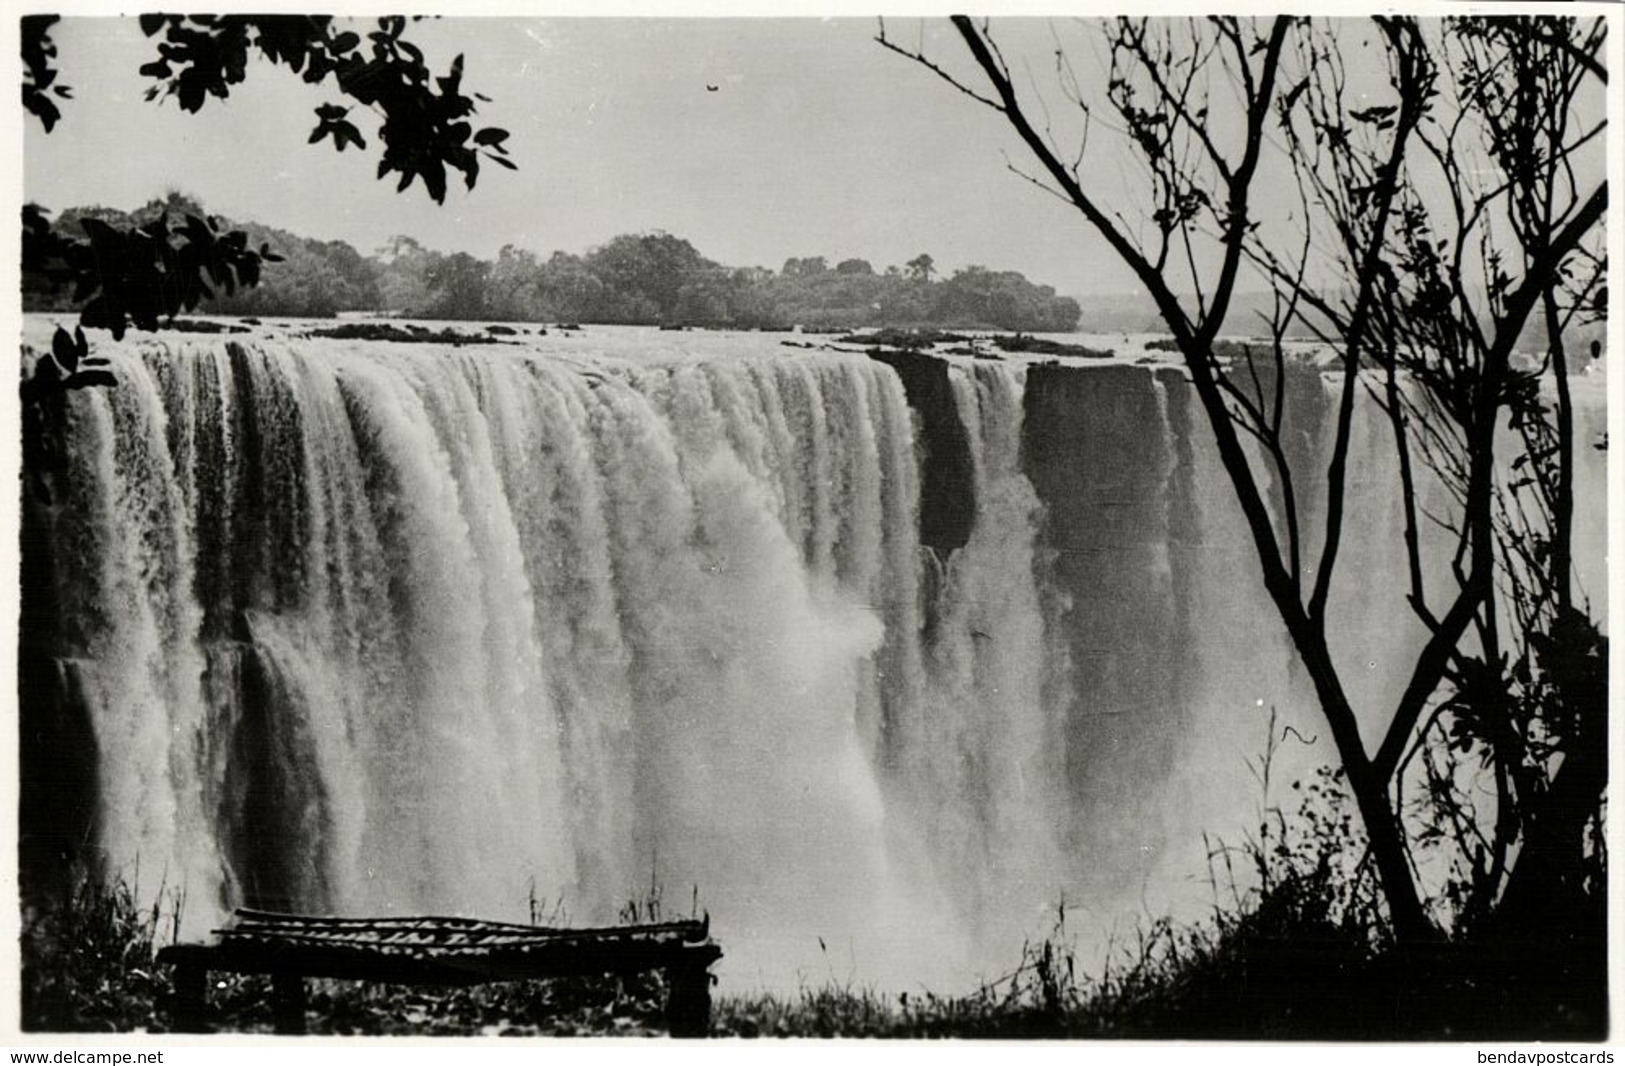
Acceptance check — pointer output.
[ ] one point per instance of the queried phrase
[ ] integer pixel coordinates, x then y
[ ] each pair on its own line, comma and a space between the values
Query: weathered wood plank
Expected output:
424, 941
461, 966
246, 918
452, 941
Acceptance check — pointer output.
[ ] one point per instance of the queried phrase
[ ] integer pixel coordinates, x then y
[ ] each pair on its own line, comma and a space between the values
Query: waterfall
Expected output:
881, 661
435, 631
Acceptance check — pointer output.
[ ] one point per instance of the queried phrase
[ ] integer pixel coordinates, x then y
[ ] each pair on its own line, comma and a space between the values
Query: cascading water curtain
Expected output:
336, 626
427, 630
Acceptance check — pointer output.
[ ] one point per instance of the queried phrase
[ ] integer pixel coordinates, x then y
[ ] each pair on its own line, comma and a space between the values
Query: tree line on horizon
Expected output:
651, 278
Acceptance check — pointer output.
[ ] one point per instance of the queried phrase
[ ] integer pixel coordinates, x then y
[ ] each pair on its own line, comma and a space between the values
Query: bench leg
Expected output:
688, 1001
288, 1003
188, 1006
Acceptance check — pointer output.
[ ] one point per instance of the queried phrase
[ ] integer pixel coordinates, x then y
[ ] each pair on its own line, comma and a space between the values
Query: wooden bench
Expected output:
439, 951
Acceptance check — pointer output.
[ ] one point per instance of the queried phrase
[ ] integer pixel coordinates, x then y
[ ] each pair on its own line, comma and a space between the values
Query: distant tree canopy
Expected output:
119, 269
123, 273
633, 279
320, 278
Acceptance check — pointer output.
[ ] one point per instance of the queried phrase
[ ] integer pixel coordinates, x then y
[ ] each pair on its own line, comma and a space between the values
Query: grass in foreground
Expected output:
1303, 953
1278, 968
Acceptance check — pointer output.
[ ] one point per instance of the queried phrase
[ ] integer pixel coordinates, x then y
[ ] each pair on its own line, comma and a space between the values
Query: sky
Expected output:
816, 141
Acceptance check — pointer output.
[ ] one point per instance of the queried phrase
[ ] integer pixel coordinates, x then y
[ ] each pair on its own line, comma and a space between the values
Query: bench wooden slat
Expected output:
462, 967
694, 929
429, 944
247, 915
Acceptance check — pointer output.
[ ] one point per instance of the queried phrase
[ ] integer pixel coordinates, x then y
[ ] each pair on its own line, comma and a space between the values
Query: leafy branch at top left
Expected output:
121, 277
425, 127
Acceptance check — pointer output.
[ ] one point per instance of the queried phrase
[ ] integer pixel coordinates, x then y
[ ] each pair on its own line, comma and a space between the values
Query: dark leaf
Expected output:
46, 375
190, 94
1373, 114
47, 112
94, 378
158, 68
344, 132
490, 136
434, 178
64, 350
450, 83
345, 42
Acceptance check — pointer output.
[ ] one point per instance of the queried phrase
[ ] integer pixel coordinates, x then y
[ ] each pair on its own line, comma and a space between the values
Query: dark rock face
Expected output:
1120, 532
274, 821
388, 331
57, 747
57, 787
947, 477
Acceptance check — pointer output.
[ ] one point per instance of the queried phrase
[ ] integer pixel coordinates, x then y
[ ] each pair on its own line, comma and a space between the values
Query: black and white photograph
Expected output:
1069, 525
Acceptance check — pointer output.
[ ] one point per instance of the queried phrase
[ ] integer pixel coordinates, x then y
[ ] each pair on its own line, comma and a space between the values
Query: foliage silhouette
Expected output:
135, 275
1488, 114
